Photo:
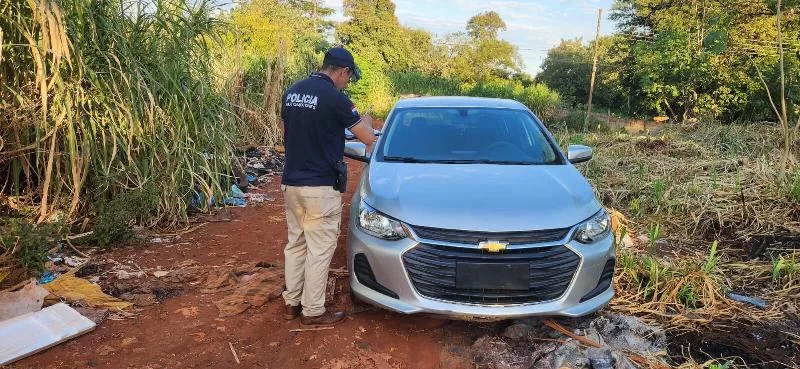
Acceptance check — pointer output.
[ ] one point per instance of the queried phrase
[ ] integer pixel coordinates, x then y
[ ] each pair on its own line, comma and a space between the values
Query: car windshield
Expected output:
466, 136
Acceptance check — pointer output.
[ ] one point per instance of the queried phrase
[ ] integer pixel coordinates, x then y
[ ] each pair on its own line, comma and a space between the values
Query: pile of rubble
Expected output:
601, 342
260, 163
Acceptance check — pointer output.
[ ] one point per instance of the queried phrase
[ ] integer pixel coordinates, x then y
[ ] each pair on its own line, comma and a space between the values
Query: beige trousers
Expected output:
313, 215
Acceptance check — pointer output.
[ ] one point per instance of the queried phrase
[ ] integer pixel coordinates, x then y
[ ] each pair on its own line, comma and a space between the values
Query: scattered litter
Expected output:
755, 301
27, 300
258, 198
54, 259
263, 161
74, 289
236, 197
34, 332
48, 277
74, 261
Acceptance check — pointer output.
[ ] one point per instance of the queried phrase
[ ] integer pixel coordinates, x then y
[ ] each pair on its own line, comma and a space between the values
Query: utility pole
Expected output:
594, 71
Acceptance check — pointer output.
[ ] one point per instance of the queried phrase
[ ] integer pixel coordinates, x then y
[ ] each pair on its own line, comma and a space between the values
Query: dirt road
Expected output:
186, 332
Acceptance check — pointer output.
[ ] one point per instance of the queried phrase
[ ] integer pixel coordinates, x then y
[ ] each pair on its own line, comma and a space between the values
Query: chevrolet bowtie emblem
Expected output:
493, 246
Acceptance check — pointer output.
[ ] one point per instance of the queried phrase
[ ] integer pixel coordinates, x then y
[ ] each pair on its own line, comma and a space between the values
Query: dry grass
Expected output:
690, 205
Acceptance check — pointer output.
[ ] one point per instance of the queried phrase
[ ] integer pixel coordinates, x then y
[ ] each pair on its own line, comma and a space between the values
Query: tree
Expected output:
691, 58
381, 45
485, 25
373, 29
267, 28
566, 69
479, 55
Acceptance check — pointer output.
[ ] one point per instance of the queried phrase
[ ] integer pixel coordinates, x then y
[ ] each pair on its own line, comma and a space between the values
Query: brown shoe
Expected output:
329, 318
292, 312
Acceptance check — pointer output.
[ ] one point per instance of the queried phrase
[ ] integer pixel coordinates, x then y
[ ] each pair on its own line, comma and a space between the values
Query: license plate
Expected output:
493, 276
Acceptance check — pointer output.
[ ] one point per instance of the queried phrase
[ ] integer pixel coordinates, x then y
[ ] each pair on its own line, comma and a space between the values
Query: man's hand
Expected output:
364, 132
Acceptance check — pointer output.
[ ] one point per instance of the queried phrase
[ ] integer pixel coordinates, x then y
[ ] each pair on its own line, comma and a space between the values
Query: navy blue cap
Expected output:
340, 57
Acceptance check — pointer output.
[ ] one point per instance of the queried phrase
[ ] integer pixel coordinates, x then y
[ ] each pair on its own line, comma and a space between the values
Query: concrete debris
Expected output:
530, 344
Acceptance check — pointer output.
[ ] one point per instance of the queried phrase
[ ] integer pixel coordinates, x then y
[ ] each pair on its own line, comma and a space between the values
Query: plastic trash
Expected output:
755, 301
236, 198
47, 277
27, 300
74, 289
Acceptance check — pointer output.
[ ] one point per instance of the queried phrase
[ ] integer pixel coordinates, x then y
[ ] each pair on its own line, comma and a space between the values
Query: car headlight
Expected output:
593, 229
376, 224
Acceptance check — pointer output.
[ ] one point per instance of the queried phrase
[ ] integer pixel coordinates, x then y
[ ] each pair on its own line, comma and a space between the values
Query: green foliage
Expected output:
27, 243
687, 60
711, 261
567, 70
124, 93
537, 97
396, 60
485, 25
688, 297
785, 267
421, 84
725, 365
115, 216
574, 119
794, 190
653, 234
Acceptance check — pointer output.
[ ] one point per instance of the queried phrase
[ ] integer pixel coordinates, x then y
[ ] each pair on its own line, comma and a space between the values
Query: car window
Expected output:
466, 135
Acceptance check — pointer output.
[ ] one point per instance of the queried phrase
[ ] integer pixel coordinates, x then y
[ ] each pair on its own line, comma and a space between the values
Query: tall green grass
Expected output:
104, 97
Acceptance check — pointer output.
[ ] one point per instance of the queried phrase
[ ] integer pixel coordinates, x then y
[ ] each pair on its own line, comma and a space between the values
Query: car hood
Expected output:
480, 197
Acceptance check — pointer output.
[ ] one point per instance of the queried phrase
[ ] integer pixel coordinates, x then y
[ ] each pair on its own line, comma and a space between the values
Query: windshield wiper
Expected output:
506, 162
405, 159
409, 159
485, 161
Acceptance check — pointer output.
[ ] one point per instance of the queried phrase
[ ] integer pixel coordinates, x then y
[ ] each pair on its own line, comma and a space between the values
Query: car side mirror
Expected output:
349, 136
356, 150
579, 153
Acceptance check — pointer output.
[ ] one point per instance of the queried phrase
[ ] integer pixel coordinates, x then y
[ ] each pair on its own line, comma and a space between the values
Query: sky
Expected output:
534, 26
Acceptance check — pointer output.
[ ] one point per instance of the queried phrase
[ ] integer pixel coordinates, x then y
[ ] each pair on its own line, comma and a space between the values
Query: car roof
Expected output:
459, 102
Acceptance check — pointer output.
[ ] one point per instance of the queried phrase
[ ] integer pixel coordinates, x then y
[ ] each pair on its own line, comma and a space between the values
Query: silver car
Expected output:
467, 208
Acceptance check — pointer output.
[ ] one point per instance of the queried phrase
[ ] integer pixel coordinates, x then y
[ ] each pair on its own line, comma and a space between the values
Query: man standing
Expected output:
315, 114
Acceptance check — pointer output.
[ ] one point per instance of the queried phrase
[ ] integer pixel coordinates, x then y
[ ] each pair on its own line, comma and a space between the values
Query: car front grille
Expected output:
474, 238
432, 269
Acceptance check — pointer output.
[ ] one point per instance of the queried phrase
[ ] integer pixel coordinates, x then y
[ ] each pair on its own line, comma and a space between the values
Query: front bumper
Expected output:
395, 290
